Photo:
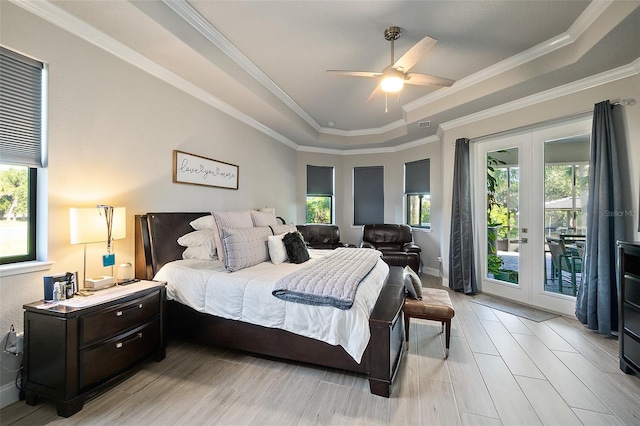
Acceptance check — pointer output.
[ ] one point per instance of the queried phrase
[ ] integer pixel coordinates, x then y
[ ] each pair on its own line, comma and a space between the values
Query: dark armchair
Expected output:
395, 241
321, 236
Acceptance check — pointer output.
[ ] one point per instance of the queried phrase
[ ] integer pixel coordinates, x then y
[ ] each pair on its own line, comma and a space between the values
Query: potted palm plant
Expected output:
492, 227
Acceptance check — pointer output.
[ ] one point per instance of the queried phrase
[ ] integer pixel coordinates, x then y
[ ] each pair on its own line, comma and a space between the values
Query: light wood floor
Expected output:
502, 369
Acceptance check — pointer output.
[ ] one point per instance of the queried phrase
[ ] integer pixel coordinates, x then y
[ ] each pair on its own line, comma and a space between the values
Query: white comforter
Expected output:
245, 295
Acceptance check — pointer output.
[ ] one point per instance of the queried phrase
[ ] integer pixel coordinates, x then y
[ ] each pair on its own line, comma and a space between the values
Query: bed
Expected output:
156, 245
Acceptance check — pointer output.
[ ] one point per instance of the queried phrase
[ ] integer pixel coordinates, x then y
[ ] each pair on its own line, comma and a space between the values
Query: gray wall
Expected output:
393, 164
112, 132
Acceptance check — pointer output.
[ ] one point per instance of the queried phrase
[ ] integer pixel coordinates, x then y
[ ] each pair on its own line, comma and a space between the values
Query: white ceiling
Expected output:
264, 61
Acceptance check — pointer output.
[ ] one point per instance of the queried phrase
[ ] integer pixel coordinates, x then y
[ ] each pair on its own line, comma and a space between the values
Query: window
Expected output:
417, 192
21, 151
319, 194
368, 195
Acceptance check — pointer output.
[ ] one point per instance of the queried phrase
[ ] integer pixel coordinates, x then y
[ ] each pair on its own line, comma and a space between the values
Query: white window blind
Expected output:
21, 110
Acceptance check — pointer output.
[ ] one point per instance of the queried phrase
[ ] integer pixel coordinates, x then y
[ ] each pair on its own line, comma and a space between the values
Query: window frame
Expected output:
23, 75
408, 209
32, 222
328, 192
417, 183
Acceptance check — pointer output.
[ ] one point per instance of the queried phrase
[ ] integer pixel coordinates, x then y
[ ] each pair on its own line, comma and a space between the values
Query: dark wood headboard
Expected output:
156, 237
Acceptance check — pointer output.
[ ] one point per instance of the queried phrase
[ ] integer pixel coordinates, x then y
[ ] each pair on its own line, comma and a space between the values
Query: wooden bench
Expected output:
434, 306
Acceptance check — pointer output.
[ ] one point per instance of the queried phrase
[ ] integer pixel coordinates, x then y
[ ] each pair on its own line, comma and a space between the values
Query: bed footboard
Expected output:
387, 344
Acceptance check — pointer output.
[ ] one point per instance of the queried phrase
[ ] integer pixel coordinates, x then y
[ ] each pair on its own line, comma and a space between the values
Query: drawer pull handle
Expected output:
119, 313
120, 344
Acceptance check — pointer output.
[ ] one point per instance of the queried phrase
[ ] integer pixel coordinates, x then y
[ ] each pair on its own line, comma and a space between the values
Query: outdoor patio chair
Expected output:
563, 260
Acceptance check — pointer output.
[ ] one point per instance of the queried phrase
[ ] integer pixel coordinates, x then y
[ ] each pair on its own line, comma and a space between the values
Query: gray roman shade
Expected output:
21, 105
417, 177
319, 181
368, 195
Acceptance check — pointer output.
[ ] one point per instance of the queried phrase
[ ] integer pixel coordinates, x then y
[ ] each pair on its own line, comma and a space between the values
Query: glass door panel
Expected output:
566, 181
503, 178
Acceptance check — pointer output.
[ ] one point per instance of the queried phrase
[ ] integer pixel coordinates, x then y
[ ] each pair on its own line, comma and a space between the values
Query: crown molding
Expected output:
586, 18
386, 150
53, 14
364, 132
191, 16
557, 92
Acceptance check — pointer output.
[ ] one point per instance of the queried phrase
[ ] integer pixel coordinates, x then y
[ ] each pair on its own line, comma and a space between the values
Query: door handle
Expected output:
522, 240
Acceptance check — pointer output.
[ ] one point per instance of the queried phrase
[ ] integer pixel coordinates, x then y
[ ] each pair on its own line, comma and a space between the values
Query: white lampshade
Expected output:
88, 225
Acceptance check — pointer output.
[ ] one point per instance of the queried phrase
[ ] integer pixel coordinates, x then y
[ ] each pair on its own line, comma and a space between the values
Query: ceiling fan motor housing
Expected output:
392, 33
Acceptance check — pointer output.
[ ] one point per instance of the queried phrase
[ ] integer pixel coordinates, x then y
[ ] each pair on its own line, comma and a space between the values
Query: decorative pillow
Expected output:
261, 218
198, 252
283, 229
204, 222
230, 219
203, 237
244, 247
411, 279
277, 250
296, 247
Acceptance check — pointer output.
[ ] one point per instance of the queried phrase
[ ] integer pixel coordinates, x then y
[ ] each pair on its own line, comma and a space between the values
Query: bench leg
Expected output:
447, 338
406, 329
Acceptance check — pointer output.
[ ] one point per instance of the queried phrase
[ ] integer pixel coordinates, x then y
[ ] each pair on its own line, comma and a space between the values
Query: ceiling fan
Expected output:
394, 76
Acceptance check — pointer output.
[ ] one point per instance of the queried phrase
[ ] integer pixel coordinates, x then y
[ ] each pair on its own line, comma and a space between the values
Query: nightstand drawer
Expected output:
108, 359
119, 318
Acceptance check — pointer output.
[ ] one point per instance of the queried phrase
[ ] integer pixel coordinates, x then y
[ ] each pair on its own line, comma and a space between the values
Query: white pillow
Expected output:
283, 229
230, 219
204, 222
265, 218
198, 252
244, 247
277, 250
203, 237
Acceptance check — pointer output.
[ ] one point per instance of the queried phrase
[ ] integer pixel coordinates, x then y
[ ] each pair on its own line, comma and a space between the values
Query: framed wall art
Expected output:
197, 170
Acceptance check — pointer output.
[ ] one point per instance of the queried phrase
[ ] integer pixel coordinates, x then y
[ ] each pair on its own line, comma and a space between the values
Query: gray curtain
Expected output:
462, 275
597, 299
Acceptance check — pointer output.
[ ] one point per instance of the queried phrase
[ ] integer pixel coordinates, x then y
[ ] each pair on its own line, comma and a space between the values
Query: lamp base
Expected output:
98, 283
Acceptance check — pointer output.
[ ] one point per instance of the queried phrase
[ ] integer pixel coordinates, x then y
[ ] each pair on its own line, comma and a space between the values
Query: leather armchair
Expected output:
395, 241
321, 236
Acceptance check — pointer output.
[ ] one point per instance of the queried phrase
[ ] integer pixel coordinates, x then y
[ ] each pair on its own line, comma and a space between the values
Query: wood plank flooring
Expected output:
502, 370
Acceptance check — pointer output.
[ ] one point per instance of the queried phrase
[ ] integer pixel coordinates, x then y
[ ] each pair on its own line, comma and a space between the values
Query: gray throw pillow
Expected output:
412, 283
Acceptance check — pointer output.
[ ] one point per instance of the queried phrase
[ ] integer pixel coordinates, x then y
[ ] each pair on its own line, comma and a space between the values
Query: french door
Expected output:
530, 190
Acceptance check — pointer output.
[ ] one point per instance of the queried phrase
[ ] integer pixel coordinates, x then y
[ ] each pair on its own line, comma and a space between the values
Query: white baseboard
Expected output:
431, 271
8, 394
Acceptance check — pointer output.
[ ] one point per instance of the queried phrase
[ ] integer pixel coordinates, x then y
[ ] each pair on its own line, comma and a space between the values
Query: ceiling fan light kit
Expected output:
392, 82
393, 77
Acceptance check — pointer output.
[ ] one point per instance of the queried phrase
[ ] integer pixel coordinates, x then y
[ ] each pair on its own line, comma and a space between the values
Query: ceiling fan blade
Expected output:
417, 52
349, 73
376, 92
428, 80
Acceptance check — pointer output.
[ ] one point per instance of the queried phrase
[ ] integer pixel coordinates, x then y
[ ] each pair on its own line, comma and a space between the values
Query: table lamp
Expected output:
95, 225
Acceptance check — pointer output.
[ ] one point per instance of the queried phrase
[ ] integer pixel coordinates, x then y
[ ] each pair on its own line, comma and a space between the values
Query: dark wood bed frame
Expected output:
155, 245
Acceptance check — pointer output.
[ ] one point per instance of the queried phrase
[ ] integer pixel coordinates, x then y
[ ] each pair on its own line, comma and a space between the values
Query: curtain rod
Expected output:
623, 102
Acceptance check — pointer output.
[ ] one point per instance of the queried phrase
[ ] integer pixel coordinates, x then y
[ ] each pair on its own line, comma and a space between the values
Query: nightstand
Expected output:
82, 346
